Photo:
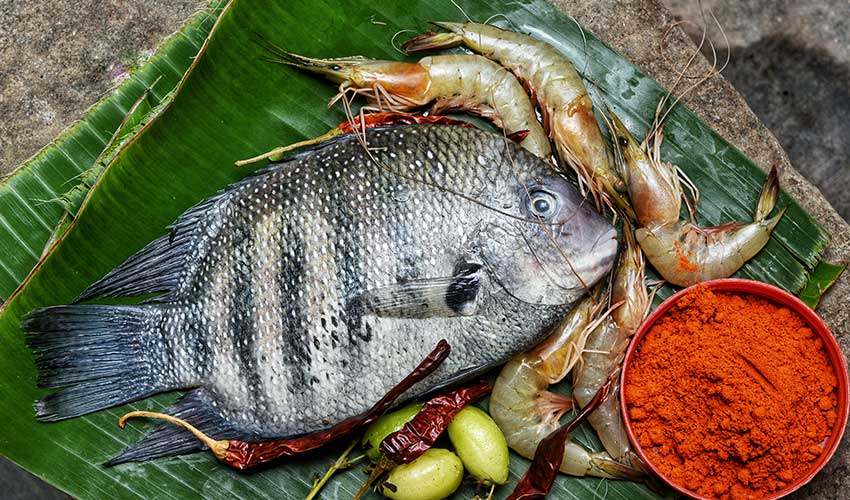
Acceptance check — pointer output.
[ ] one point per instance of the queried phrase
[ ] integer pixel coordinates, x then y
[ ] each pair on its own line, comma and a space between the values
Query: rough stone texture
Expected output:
56, 58
791, 61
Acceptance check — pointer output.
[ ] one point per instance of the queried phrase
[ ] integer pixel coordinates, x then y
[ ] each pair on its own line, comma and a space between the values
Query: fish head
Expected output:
554, 248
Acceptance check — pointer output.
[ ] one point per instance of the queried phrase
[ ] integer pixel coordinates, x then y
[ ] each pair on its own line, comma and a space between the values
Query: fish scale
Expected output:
298, 297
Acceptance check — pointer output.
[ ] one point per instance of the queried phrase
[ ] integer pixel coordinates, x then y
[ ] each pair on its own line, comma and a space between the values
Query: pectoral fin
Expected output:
432, 297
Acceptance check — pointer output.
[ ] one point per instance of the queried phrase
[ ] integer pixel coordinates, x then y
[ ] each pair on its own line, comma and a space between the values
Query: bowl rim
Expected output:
779, 296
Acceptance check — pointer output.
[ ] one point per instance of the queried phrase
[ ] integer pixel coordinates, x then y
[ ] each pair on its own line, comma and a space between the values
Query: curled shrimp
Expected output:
558, 91
458, 82
605, 349
680, 250
527, 412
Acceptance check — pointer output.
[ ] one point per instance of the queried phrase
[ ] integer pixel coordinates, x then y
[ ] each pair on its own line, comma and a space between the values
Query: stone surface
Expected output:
57, 58
791, 61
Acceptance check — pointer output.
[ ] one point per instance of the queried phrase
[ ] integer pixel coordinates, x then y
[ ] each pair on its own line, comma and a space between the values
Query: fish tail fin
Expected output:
100, 355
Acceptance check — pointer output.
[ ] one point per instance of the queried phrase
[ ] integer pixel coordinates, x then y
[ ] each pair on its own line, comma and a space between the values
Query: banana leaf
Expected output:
231, 106
823, 276
38, 196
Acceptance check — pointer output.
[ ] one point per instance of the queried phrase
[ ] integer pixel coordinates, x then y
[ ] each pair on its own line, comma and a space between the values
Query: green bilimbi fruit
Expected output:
433, 476
480, 445
383, 427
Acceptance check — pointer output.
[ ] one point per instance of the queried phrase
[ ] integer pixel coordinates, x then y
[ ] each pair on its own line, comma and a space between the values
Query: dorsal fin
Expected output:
158, 266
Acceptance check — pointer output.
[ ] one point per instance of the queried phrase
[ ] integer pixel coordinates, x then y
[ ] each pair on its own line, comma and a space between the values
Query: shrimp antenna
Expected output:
543, 226
584, 49
712, 71
655, 136
462, 11
506, 18
683, 73
660, 115
393, 40
613, 273
619, 158
265, 43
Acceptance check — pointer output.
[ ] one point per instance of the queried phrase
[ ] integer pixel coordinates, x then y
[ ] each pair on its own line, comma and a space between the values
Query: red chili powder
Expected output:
731, 396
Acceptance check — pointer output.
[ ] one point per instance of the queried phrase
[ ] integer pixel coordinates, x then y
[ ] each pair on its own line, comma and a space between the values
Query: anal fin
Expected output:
170, 440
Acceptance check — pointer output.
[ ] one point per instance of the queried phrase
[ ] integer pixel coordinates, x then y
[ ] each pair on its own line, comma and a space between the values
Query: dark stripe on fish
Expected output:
347, 257
244, 309
294, 345
197, 341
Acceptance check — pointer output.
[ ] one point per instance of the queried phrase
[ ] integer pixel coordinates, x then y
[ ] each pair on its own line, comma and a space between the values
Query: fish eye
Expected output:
623, 141
543, 204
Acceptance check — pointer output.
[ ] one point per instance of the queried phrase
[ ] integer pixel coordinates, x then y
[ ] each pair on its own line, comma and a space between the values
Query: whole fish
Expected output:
299, 296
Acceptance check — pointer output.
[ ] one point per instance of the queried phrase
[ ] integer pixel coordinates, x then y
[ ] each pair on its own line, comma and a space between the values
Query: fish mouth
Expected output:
590, 267
585, 272
606, 246
596, 263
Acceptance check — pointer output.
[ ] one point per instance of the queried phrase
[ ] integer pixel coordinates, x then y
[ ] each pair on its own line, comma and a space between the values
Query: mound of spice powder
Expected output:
731, 396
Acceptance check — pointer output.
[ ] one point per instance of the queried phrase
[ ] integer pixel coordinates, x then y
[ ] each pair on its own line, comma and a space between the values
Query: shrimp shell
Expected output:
526, 412
557, 89
681, 251
606, 346
455, 82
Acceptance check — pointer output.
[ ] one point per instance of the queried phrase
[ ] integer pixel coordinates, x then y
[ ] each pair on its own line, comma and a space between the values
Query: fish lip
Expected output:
606, 244
604, 240
608, 238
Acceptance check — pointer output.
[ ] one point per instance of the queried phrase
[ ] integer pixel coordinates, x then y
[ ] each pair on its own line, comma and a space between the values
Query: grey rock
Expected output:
58, 58
791, 61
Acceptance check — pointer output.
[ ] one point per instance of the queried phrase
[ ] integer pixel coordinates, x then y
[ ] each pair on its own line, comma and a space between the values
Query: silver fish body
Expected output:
299, 296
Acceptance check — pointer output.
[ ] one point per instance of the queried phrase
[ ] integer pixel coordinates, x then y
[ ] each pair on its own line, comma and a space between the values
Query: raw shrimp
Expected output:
557, 89
681, 251
606, 346
459, 82
526, 412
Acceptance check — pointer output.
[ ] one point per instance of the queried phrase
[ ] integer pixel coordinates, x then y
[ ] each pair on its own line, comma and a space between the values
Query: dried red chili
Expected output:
372, 120
421, 432
519, 135
361, 122
540, 476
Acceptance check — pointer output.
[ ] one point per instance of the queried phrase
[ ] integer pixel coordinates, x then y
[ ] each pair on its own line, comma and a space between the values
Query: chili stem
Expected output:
492, 489
341, 463
276, 152
383, 465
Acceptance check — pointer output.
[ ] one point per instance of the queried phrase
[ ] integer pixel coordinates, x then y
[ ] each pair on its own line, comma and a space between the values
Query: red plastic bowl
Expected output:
780, 297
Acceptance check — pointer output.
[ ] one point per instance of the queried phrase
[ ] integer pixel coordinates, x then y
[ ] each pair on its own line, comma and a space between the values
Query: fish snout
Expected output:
603, 252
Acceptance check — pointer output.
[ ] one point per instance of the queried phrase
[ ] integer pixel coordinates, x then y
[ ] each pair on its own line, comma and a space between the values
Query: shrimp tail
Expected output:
605, 466
432, 40
768, 196
773, 221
